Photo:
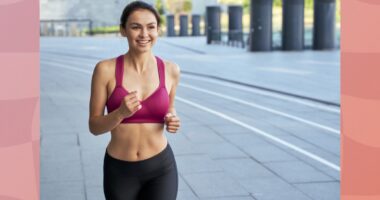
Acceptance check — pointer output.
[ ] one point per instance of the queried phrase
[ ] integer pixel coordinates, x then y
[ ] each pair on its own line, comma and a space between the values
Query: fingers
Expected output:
172, 124
132, 103
131, 96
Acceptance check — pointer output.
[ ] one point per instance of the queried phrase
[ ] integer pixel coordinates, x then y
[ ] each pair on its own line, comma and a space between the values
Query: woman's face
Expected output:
141, 29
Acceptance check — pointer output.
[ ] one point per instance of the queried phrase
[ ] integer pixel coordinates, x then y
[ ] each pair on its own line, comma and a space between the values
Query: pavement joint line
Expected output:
256, 130
262, 133
186, 182
320, 126
312, 182
83, 174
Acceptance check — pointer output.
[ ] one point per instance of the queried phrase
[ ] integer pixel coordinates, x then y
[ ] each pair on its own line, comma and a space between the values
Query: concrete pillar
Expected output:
170, 25
183, 22
260, 36
195, 22
213, 26
235, 23
293, 24
324, 24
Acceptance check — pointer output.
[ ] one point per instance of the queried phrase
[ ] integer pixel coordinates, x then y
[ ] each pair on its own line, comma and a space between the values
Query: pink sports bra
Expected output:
154, 107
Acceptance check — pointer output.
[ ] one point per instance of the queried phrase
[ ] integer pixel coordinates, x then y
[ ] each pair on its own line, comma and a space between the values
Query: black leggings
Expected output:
155, 178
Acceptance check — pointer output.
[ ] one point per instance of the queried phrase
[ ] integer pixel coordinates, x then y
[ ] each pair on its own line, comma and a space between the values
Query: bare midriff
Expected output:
137, 141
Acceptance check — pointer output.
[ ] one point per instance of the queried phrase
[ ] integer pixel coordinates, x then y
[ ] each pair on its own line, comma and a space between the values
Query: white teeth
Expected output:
142, 41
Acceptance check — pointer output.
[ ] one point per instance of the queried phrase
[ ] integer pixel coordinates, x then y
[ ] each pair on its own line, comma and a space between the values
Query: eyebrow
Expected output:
135, 23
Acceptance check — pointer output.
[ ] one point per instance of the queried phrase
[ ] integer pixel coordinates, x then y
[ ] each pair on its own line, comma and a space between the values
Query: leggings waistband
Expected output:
164, 159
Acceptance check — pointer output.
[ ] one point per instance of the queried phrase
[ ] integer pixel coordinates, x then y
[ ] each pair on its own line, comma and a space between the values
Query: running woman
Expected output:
138, 89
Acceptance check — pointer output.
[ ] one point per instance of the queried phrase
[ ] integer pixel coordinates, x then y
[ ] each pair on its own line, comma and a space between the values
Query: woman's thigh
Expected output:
121, 189
163, 187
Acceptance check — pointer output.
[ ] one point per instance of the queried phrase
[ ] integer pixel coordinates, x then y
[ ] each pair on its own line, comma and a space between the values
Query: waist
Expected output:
133, 143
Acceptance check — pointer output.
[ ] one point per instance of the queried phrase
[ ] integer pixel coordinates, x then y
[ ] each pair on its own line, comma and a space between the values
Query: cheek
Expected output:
154, 34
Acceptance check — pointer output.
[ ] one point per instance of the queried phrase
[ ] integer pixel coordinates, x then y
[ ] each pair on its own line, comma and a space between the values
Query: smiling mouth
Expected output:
142, 42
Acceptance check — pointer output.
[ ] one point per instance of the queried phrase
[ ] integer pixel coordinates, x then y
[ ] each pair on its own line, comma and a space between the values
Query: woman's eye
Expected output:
152, 27
135, 27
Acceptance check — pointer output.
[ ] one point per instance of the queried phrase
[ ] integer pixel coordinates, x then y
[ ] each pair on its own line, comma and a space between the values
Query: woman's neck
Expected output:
139, 61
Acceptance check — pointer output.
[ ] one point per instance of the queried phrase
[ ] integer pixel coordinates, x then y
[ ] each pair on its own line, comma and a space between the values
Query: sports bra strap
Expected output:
161, 71
119, 70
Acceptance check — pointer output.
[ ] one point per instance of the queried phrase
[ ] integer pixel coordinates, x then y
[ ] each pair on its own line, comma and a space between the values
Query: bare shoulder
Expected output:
104, 69
173, 69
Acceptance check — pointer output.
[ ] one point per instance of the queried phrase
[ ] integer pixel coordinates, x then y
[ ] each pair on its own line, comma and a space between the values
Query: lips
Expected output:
142, 42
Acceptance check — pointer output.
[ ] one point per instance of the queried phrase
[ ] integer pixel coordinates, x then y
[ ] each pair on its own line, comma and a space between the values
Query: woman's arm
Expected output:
172, 121
98, 123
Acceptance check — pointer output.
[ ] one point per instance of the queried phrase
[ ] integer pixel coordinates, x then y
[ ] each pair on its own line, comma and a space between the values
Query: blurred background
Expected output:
84, 17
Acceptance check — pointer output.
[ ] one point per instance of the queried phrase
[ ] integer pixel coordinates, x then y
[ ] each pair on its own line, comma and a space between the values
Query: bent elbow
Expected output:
92, 129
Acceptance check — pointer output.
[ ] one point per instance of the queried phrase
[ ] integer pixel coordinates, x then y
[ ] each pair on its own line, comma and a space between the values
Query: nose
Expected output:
144, 32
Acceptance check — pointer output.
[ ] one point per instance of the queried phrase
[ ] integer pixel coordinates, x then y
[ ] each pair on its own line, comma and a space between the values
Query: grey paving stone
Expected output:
259, 149
272, 189
182, 185
56, 125
95, 193
92, 162
90, 141
229, 129
232, 198
176, 137
245, 139
297, 171
181, 145
64, 140
59, 153
220, 150
203, 136
196, 163
214, 184
54, 171
321, 190
62, 190
244, 168
186, 195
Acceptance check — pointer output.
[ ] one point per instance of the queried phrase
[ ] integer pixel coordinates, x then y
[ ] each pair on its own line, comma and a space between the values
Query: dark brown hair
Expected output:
135, 5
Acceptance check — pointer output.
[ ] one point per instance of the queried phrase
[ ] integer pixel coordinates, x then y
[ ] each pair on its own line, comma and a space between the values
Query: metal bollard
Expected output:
324, 24
293, 24
183, 22
213, 24
260, 34
235, 23
170, 25
195, 22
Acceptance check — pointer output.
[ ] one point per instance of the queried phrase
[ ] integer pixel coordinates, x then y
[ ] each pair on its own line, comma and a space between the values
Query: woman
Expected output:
138, 90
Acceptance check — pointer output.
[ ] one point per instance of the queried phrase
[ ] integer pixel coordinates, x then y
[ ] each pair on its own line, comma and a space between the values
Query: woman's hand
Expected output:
172, 123
129, 105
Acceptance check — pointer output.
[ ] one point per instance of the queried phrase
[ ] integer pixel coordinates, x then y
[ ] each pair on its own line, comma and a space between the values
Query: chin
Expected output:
142, 49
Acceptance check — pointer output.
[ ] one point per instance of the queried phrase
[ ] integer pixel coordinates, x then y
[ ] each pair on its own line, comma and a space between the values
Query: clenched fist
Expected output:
129, 105
172, 123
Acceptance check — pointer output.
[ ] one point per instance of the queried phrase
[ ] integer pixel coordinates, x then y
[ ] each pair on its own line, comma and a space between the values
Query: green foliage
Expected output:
309, 4
187, 6
277, 3
160, 7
